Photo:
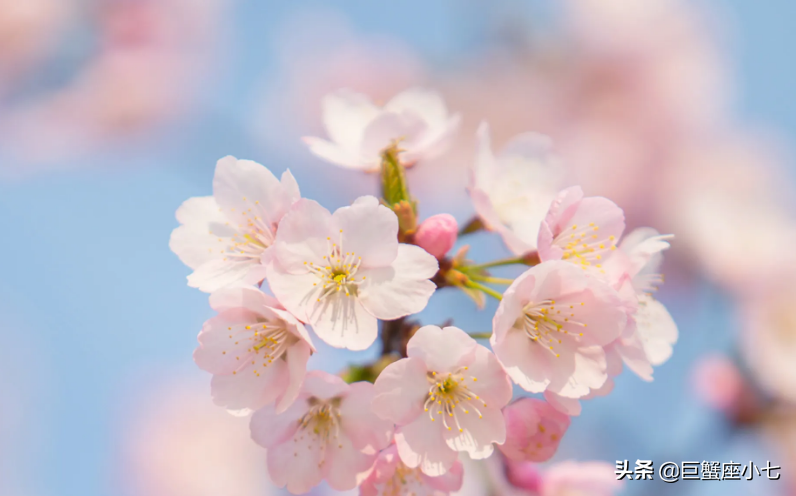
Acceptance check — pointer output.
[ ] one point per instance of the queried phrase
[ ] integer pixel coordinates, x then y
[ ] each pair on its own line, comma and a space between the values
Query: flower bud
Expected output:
437, 234
533, 430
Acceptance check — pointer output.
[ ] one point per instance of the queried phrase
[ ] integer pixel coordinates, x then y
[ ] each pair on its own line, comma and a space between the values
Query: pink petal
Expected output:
421, 444
477, 432
369, 230
336, 154
219, 273
341, 321
442, 350
345, 466
346, 114
247, 191
303, 236
323, 385
196, 241
269, 429
492, 384
297, 464
360, 422
577, 370
251, 388
401, 389
298, 293
528, 364
448, 482
568, 406
401, 289
296, 357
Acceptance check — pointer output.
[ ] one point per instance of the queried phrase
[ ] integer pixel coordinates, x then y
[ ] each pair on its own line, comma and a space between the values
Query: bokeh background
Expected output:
112, 112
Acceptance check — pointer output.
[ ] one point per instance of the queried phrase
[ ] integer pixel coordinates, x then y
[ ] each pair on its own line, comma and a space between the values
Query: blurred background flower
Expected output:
114, 111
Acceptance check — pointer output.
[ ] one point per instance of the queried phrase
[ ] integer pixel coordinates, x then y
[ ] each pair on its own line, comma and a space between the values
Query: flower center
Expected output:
321, 422
450, 396
585, 245
404, 482
253, 235
544, 322
269, 341
338, 273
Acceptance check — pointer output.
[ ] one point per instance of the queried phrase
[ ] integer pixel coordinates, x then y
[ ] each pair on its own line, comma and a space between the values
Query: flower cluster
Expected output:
283, 271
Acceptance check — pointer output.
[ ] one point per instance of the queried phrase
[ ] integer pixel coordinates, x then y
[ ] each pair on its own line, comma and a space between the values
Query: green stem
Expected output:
485, 289
480, 335
496, 263
491, 280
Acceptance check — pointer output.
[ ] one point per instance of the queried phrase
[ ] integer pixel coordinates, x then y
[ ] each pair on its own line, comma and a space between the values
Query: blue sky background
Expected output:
91, 298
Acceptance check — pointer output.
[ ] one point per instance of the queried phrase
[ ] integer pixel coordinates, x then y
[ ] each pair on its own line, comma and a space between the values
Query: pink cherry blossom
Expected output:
256, 351
513, 191
437, 234
583, 231
329, 433
571, 478
551, 326
223, 237
445, 397
341, 272
647, 341
533, 430
360, 130
391, 477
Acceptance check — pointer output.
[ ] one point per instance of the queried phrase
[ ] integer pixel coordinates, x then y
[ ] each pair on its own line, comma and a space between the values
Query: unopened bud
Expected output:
437, 234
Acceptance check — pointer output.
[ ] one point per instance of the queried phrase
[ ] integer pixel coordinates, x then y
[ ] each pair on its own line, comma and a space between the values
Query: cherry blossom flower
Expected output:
222, 237
329, 433
341, 272
445, 397
360, 130
513, 191
583, 231
437, 234
391, 477
656, 329
534, 430
256, 351
551, 326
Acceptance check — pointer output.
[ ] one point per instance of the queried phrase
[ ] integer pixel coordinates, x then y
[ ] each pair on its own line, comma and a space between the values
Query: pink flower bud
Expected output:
437, 234
533, 430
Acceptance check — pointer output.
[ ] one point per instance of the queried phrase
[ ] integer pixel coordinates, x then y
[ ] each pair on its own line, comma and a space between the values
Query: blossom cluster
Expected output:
283, 271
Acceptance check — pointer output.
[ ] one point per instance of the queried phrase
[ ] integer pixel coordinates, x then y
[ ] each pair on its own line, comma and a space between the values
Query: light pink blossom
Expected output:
223, 237
391, 477
360, 130
445, 397
551, 326
329, 433
256, 351
583, 231
533, 430
437, 234
341, 272
657, 331
512, 192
